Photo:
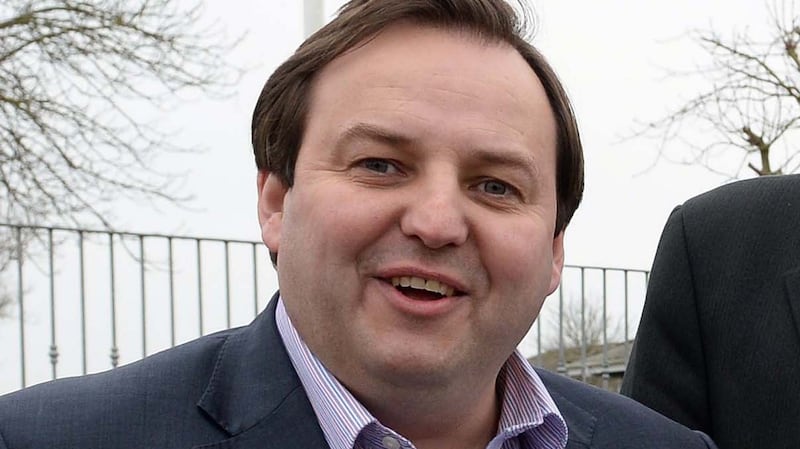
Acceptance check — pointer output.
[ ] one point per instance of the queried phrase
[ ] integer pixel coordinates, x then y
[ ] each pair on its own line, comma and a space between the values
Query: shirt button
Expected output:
390, 442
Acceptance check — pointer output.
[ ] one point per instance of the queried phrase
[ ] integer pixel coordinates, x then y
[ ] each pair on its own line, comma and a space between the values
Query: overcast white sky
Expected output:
612, 55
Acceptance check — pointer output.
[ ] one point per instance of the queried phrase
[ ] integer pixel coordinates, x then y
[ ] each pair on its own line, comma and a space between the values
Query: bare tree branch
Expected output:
5, 303
76, 79
750, 109
583, 326
81, 84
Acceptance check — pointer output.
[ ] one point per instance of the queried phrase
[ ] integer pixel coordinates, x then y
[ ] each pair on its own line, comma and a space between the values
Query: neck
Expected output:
461, 418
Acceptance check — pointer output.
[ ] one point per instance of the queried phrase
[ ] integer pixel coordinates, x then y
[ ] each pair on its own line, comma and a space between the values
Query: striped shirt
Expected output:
529, 418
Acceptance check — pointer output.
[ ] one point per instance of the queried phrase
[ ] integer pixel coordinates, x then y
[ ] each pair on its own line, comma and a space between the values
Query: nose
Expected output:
436, 216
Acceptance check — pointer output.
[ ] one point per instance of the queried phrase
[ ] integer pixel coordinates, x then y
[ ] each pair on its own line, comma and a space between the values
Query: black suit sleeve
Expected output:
667, 371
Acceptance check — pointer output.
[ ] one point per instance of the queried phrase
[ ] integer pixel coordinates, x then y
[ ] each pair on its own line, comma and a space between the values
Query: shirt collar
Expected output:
527, 412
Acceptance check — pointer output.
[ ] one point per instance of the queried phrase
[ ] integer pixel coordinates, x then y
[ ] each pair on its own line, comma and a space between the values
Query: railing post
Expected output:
53, 347
605, 331
21, 303
227, 284
143, 287
583, 325
255, 279
199, 286
626, 338
171, 295
562, 363
83, 300
114, 348
313, 16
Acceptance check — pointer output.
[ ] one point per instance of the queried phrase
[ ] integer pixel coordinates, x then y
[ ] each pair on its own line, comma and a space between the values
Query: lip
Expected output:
416, 308
388, 273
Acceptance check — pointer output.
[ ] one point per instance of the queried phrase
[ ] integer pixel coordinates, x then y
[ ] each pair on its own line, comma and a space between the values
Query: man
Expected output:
418, 163
718, 347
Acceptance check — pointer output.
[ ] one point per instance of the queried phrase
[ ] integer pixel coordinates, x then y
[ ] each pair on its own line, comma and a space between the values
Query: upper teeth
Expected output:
423, 284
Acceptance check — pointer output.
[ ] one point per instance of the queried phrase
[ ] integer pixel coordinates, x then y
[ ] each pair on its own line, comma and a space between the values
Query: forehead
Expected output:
420, 75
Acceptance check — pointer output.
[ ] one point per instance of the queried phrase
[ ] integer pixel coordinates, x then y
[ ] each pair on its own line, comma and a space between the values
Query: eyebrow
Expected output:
524, 162
366, 131
480, 155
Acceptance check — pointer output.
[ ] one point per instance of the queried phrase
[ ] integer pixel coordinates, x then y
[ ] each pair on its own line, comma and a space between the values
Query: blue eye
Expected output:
495, 188
378, 165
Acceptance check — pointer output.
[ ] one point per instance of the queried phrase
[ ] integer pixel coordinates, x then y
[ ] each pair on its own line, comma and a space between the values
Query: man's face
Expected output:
428, 159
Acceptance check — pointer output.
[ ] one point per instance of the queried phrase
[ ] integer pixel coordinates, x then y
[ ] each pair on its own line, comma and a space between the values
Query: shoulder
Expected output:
135, 396
600, 419
748, 197
749, 225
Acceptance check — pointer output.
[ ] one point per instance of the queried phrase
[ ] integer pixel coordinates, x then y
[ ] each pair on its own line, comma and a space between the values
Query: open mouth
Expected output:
423, 289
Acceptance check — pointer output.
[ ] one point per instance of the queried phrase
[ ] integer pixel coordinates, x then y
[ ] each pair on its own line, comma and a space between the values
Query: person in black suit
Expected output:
718, 347
418, 162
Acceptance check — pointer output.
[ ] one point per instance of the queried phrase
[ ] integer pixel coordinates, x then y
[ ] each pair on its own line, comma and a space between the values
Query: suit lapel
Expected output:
580, 423
792, 285
255, 394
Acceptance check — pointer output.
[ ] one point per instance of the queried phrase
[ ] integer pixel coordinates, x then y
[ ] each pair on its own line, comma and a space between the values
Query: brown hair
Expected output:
279, 117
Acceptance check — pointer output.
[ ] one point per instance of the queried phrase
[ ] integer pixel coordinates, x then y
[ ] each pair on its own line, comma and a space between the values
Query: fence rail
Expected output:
77, 301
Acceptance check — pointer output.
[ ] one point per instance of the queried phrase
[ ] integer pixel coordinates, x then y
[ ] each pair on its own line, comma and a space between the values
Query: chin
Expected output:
420, 368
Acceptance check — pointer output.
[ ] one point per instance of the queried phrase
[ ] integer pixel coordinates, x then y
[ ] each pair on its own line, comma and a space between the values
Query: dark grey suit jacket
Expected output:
237, 389
718, 347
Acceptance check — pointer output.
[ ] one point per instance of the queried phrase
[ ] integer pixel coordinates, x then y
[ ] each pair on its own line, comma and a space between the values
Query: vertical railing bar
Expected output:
583, 324
562, 366
21, 303
199, 285
605, 330
646, 284
143, 287
83, 300
53, 348
627, 305
114, 348
255, 280
227, 284
171, 295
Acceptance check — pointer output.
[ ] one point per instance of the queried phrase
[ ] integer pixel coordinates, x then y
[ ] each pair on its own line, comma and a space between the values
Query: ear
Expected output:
558, 261
271, 191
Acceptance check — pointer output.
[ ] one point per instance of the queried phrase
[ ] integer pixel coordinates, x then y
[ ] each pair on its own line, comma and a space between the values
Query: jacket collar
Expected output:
254, 393
580, 423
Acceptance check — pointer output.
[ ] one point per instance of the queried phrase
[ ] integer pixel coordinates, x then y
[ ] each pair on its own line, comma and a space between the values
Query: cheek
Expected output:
331, 223
522, 257
519, 263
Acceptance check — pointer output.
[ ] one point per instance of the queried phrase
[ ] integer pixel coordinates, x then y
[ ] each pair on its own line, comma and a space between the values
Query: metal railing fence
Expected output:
77, 301
586, 328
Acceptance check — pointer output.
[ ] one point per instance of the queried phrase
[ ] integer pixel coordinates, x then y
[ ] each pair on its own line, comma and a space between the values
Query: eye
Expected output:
379, 165
494, 187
